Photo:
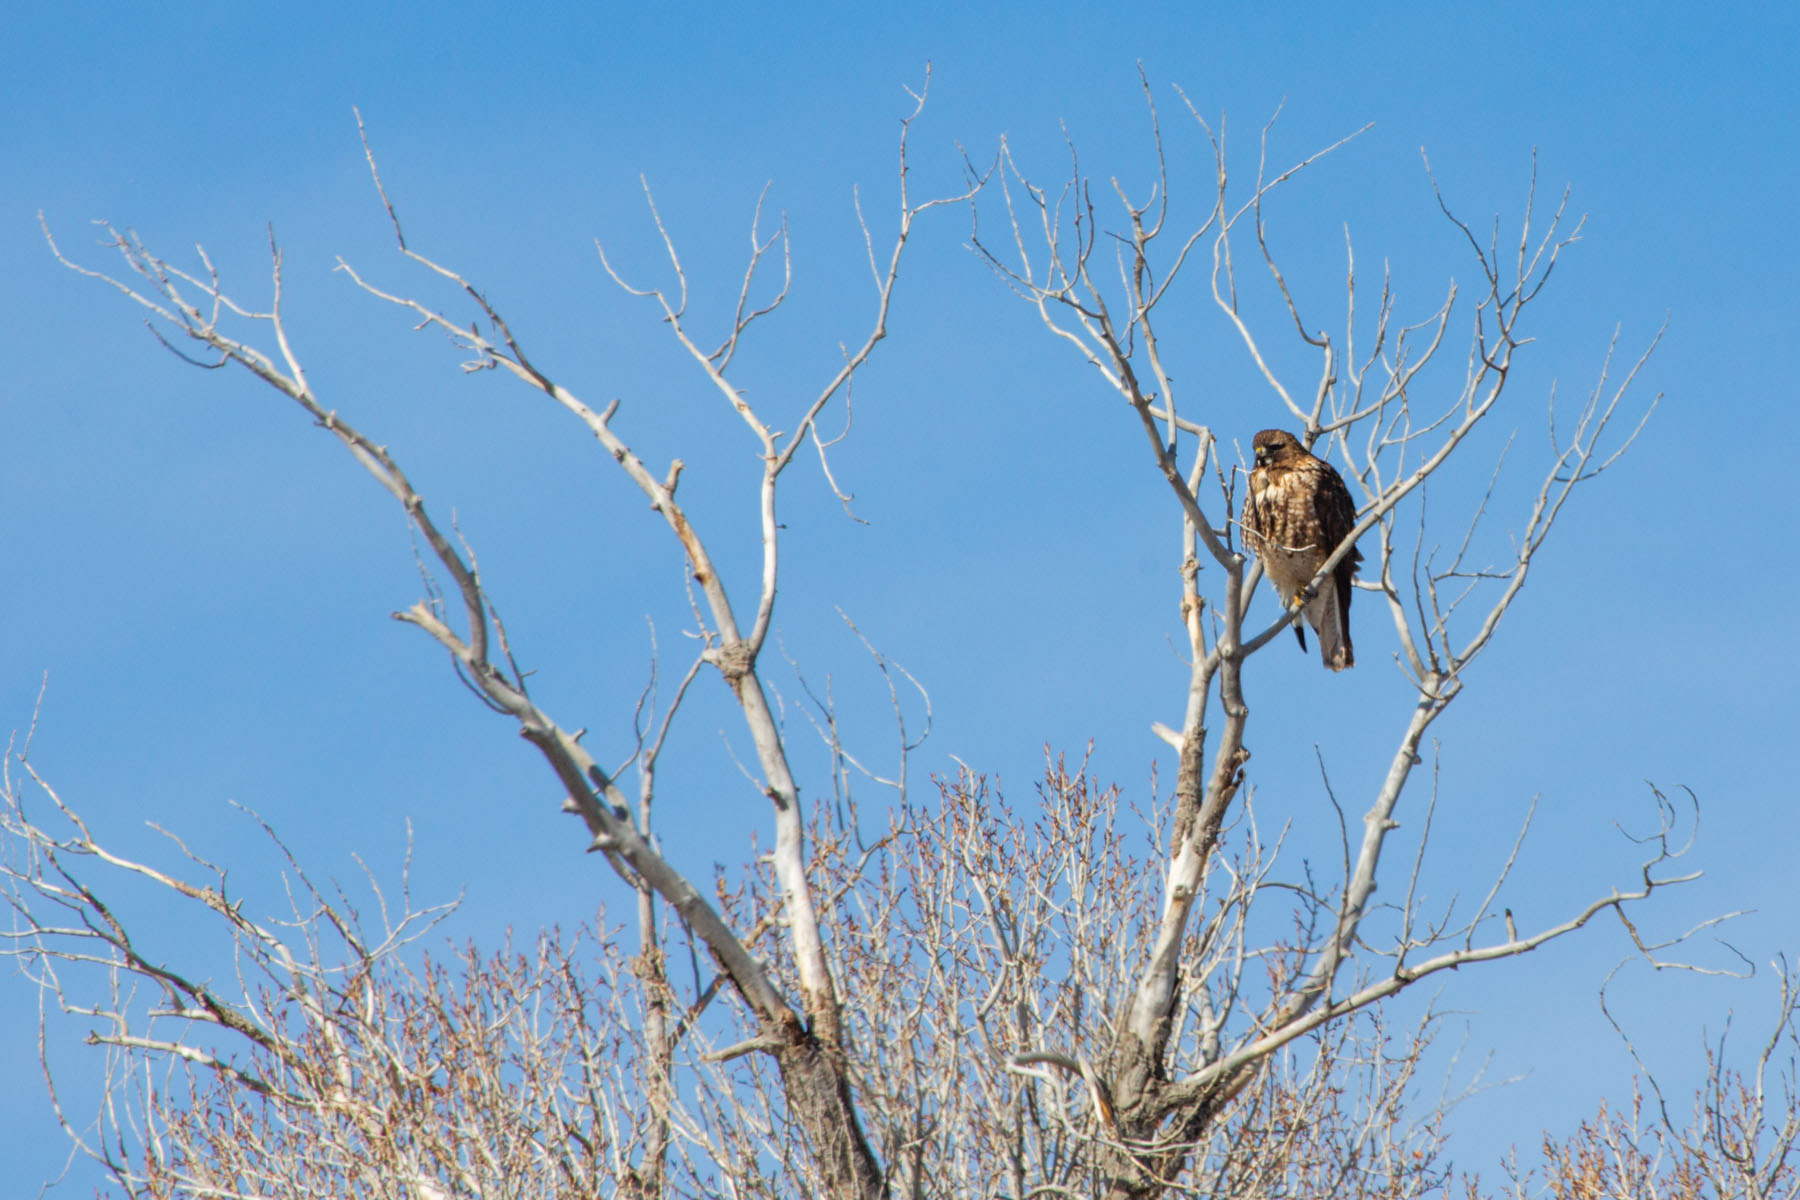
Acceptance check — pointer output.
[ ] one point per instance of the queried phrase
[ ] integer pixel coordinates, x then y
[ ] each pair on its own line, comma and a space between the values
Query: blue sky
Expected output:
207, 581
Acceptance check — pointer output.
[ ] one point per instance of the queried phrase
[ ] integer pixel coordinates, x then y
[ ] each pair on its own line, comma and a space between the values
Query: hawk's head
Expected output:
1277, 448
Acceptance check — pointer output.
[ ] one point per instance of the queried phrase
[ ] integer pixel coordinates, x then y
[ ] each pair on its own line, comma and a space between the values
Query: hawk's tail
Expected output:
1330, 619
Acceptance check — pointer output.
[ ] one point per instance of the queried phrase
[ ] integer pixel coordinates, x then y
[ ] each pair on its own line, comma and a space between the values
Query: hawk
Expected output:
1295, 514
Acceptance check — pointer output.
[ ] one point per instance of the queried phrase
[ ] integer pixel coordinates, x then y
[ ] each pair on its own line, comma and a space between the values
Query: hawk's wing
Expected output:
1335, 512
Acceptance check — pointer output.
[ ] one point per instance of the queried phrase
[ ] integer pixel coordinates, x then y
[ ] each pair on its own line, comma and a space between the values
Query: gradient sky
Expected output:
207, 580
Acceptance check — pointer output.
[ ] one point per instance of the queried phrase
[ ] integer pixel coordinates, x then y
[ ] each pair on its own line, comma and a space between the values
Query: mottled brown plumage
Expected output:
1296, 512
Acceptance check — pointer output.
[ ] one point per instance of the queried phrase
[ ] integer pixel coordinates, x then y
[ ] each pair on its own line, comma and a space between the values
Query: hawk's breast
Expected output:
1288, 544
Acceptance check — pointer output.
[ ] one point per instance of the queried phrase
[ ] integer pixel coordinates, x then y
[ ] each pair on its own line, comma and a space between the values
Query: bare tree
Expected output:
1394, 425
1087, 997
1739, 1140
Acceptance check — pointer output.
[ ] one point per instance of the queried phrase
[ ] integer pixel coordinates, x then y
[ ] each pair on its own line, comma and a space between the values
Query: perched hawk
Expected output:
1295, 514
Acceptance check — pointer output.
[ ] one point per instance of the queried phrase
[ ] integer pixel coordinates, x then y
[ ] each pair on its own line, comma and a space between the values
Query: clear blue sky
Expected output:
207, 580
